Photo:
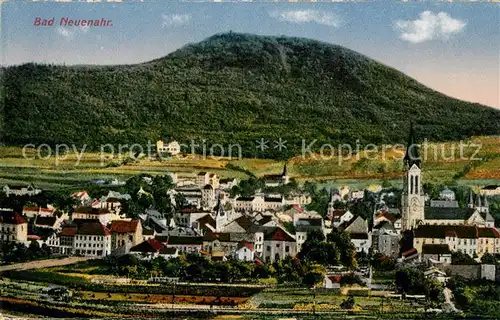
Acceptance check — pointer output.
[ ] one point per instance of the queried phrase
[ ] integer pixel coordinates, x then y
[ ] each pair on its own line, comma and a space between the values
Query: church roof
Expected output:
447, 213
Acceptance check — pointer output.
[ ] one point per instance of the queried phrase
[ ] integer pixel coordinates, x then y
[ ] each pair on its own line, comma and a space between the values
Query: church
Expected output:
413, 207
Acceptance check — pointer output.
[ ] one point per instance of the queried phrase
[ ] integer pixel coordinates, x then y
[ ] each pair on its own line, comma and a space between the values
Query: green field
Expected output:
356, 171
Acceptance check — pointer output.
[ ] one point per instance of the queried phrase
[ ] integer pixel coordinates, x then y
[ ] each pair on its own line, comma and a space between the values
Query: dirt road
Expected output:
43, 263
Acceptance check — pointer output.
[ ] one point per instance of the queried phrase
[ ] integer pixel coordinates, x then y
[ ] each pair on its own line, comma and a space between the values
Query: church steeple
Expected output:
285, 172
413, 200
412, 155
470, 203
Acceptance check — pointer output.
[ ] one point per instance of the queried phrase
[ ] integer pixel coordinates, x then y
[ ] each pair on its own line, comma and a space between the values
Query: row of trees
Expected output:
198, 268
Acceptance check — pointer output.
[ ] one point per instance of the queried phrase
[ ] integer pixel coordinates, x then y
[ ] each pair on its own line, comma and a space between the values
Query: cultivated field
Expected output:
442, 163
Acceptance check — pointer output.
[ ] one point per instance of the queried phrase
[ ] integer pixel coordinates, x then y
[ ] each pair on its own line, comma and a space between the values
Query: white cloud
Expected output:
174, 19
306, 16
429, 26
66, 33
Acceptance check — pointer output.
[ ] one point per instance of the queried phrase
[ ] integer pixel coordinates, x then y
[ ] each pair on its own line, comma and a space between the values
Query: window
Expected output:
287, 249
277, 245
411, 184
268, 248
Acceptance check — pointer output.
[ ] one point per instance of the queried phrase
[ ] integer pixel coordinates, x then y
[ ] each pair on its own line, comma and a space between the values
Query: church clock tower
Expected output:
412, 202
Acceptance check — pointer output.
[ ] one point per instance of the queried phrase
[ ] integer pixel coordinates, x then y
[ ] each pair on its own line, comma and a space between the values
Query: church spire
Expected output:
485, 203
478, 201
471, 200
285, 171
412, 155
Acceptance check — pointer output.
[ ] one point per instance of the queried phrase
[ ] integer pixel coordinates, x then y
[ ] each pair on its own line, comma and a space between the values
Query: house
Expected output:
47, 222
296, 198
436, 253
185, 244
357, 228
259, 203
337, 217
31, 212
277, 244
125, 234
275, 180
434, 273
13, 226
30, 190
88, 213
172, 148
207, 197
113, 205
67, 240
490, 190
222, 242
447, 194
92, 239
168, 252
203, 178
245, 251
472, 240
227, 183
192, 193
82, 197
332, 282
205, 224
147, 250
385, 239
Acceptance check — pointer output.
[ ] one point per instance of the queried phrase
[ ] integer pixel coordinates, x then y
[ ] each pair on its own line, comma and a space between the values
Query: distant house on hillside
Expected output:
172, 148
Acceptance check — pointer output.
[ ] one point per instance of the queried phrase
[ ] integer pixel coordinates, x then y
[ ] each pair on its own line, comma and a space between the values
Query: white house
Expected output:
92, 239
173, 148
245, 251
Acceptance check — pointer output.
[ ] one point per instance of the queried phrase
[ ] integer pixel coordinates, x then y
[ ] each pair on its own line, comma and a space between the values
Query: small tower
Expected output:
470, 203
220, 216
486, 205
284, 175
478, 202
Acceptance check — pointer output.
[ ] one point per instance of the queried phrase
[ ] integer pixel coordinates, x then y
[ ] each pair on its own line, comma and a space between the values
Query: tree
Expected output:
458, 257
348, 303
410, 280
325, 253
346, 248
489, 258
314, 275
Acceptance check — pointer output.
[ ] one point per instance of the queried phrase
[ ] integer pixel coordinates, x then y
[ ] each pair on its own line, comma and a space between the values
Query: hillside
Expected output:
233, 88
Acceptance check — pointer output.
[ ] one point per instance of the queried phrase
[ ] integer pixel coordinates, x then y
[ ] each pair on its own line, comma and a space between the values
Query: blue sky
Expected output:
451, 47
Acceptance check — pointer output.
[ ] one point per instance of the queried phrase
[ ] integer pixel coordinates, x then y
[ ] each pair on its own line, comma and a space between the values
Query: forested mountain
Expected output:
233, 88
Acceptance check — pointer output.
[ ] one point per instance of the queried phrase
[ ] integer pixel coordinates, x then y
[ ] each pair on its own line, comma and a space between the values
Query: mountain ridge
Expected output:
234, 88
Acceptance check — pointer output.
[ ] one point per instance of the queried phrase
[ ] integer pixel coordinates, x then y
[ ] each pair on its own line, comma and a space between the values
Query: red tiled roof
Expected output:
387, 215
11, 217
246, 244
79, 194
278, 234
151, 245
409, 252
33, 237
68, 231
123, 226
93, 228
298, 208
